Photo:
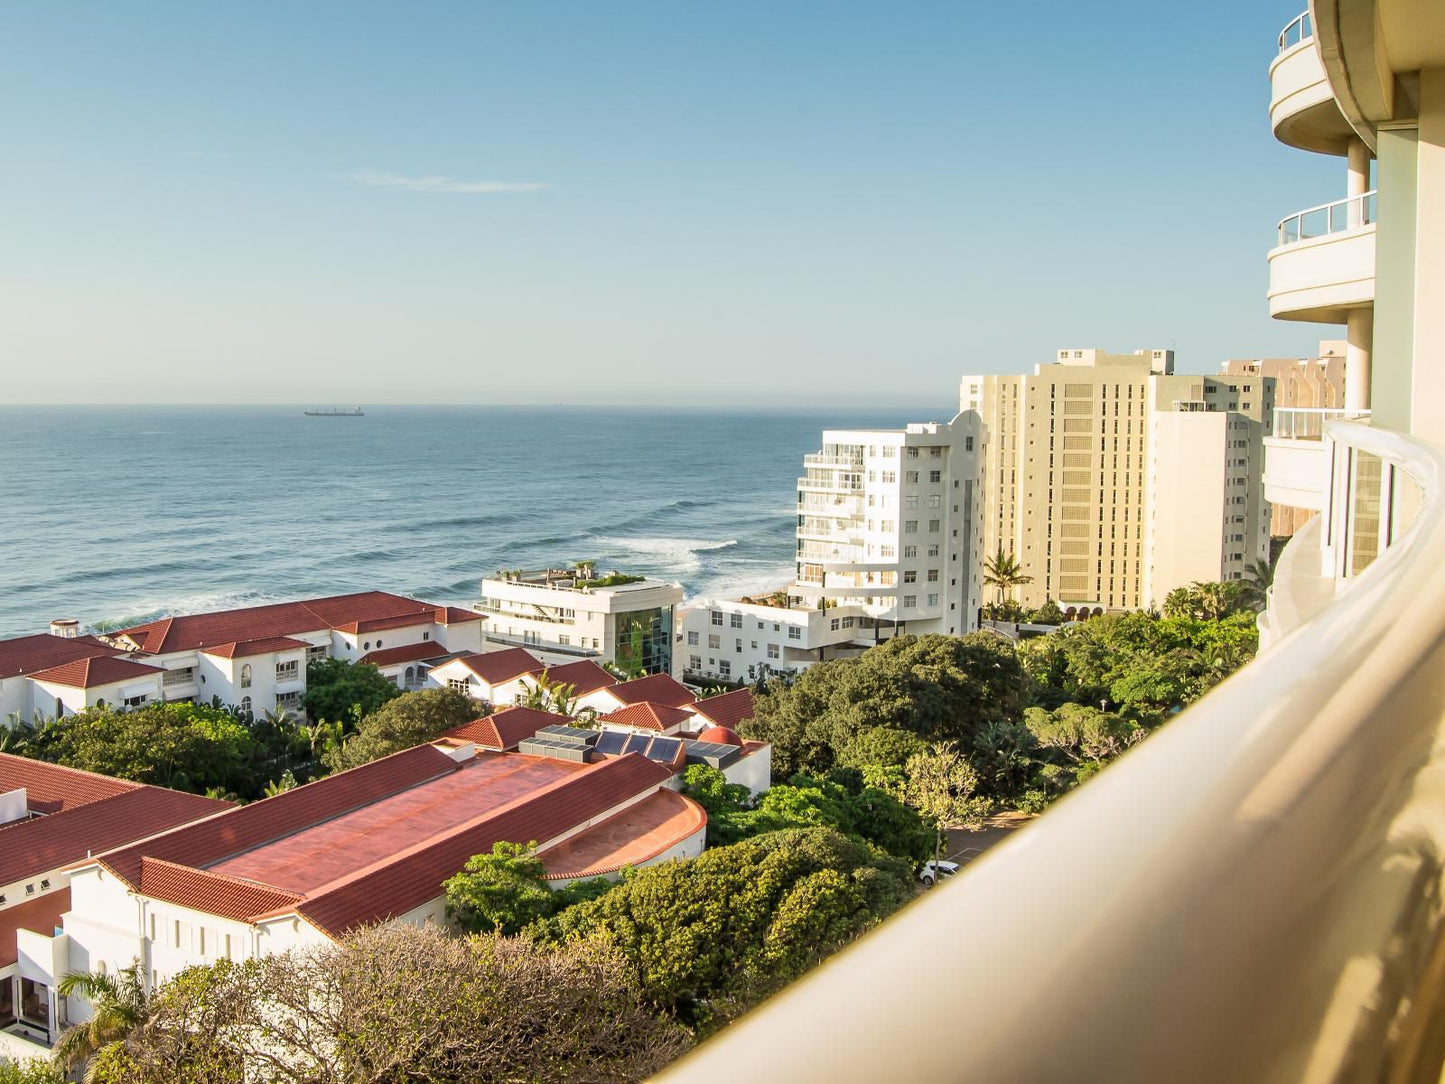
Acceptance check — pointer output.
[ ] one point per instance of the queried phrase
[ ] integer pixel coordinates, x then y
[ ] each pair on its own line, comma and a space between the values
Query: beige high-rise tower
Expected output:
1112, 480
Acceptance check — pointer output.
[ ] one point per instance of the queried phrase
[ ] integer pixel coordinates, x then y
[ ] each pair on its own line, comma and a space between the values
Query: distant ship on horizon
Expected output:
334, 412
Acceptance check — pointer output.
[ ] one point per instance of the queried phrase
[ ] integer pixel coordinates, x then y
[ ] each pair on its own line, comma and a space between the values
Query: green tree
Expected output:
708, 937
345, 691
1003, 571
942, 785
118, 1004
410, 719
1254, 587
502, 892
31, 1071
182, 746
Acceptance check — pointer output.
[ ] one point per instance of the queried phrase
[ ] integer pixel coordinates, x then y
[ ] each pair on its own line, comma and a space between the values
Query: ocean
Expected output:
119, 515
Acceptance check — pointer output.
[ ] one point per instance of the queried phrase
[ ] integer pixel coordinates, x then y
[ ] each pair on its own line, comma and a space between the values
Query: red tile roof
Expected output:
721, 735
51, 788
27, 654
658, 689
100, 670
390, 656
584, 675
32, 847
727, 710
496, 667
341, 612
403, 882
455, 615
648, 716
39, 915
245, 649
214, 893
636, 835
240, 829
506, 728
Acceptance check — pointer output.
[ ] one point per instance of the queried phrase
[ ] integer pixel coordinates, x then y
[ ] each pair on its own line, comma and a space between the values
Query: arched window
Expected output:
245, 705
245, 675
411, 675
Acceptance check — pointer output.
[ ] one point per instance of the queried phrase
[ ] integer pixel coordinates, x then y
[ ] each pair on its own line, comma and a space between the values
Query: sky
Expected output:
747, 203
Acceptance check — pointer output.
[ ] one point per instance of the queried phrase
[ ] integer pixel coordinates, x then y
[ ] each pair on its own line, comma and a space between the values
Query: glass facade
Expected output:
644, 641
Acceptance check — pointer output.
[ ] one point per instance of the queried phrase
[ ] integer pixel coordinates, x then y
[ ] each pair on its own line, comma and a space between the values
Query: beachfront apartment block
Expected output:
251, 659
566, 614
747, 639
887, 527
1112, 480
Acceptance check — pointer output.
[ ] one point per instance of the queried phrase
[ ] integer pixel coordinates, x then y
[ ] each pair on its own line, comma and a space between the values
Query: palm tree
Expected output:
1254, 587
1003, 571
560, 699
118, 1003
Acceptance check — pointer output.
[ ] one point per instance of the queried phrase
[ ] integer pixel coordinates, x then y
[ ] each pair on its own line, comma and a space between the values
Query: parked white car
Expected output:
933, 871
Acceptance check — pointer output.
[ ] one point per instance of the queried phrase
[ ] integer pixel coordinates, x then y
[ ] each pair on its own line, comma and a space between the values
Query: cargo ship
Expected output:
334, 412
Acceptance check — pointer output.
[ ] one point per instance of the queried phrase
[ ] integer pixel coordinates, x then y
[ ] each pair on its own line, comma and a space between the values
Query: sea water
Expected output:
119, 515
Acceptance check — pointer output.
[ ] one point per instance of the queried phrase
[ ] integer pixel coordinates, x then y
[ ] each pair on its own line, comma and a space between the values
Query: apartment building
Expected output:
887, 530
747, 639
1111, 479
565, 614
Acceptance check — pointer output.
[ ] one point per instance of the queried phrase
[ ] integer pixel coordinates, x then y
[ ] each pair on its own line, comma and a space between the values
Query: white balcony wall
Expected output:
1320, 278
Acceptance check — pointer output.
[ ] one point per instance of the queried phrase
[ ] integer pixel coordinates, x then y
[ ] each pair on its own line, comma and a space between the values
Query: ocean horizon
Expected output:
120, 514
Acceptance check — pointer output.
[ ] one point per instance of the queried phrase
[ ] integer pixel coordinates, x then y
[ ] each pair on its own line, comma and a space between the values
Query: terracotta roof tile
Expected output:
648, 716
28, 654
96, 671
496, 667
403, 882
245, 649
31, 847
51, 788
215, 838
727, 710
584, 675
214, 893
455, 615
389, 656
192, 631
658, 689
506, 728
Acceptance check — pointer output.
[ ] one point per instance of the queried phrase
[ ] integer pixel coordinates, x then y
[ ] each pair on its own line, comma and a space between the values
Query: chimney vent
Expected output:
68, 627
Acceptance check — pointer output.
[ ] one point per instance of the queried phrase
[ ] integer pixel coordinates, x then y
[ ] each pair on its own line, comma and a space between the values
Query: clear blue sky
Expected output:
652, 202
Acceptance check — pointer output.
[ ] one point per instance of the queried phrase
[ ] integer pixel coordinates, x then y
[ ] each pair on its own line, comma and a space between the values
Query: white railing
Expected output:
1349, 213
1308, 423
1301, 28
835, 484
817, 460
1253, 893
179, 677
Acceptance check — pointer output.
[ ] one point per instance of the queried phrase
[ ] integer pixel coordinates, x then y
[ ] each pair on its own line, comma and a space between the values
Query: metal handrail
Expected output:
1253, 893
1350, 213
1300, 28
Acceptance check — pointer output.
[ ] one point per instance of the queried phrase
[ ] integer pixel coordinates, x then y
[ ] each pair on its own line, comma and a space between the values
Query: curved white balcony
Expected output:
1324, 262
1302, 109
1255, 889
1297, 458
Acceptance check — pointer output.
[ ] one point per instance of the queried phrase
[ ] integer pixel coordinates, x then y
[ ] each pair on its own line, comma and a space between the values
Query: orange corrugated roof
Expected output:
495, 667
51, 788
507, 728
388, 656
648, 716
28, 654
657, 689
728, 709
245, 649
96, 671
584, 675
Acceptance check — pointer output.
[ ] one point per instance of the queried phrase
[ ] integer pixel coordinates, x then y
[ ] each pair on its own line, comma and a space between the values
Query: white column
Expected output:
1357, 180
1359, 334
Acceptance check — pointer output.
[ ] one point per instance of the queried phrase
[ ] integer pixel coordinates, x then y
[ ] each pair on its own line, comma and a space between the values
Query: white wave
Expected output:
676, 555
142, 611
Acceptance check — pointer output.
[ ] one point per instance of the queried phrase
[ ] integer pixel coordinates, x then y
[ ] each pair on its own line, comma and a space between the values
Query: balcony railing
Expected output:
1308, 423
1301, 28
1253, 893
179, 677
819, 460
1349, 213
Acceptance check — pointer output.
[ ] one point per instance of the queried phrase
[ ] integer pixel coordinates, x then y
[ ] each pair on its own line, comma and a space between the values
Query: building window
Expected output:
933, 600
912, 453
717, 618
890, 477
692, 639
694, 662
886, 551
833, 624
911, 477
910, 576
564, 640
910, 601
910, 526
910, 501
934, 525
774, 651
245, 675
738, 645
935, 476
725, 668
288, 671
933, 550
245, 705
888, 526
460, 685
735, 620
794, 632
933, 575
847, 622
908, 551
968, 444
714, 641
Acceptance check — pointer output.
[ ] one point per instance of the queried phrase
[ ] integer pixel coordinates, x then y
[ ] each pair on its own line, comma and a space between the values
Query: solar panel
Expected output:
570, 734
611, 742
664, 749
637, 743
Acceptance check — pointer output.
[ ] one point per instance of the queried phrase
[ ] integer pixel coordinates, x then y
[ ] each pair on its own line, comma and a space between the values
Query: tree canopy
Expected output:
345, 692
410, 719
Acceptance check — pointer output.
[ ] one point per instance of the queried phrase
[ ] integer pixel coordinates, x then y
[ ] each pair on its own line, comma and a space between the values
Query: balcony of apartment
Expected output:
1302, 109
1323, 264
1255, 891
820, 459
1296, 457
